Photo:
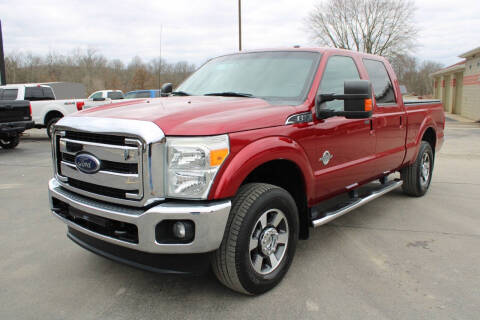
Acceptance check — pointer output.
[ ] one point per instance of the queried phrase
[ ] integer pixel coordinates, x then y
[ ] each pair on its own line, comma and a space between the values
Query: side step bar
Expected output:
356, 202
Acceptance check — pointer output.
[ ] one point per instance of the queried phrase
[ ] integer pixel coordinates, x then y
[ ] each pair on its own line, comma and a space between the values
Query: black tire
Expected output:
414, 182
232, 263
50, 124
10, 143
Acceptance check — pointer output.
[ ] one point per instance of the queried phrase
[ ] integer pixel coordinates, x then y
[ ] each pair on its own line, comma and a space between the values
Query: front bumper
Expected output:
210, 219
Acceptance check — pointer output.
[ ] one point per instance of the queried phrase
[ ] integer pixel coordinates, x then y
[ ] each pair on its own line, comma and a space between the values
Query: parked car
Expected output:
46, 110
106, 94
239, 162
143, 94
15, 117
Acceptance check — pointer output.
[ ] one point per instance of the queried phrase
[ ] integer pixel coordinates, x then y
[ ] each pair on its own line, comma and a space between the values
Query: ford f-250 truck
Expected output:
240, 161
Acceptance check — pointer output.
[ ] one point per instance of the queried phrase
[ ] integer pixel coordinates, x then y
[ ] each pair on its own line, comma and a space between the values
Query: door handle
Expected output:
401, 122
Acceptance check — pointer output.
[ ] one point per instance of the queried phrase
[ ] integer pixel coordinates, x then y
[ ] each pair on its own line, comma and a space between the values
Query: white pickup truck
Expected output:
46, 109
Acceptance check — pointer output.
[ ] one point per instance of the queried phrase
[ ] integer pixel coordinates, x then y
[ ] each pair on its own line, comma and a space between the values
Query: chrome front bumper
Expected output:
210, 219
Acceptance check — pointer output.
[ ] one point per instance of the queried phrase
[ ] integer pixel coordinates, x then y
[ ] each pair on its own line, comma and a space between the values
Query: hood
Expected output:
197, 115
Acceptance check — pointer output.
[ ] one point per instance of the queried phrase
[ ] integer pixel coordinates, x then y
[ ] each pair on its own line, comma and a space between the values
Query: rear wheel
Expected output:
259, 241
10, 143
51, 125
417, 176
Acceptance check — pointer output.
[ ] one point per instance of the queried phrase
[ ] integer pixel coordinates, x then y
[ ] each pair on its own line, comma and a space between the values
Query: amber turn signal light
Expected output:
368, 104
217, 157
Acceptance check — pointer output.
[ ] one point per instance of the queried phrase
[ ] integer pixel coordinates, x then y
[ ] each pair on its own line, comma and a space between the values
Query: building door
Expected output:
458, 90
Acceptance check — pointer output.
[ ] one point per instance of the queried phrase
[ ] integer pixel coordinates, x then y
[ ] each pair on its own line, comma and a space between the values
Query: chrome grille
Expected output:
120, 174
131, 154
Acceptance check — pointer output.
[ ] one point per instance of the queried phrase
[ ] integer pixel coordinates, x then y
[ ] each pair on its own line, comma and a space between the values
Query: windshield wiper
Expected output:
230, 94
180, 93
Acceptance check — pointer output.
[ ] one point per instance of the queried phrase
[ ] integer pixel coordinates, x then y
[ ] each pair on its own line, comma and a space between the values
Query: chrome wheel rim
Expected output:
268, 241
425, 166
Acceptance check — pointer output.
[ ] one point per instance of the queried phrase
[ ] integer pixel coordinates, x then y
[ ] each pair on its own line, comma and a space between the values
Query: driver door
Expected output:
345, 147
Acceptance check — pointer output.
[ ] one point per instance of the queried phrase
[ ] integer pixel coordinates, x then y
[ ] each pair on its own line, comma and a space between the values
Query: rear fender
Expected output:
427, 123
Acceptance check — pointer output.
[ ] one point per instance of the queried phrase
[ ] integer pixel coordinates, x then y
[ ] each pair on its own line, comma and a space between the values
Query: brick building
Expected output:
458, 86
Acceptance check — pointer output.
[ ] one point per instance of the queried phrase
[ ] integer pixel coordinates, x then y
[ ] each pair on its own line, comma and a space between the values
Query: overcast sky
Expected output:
197, 30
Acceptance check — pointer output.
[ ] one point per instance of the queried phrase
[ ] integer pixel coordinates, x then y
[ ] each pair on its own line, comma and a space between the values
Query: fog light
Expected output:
175, 231
179, 230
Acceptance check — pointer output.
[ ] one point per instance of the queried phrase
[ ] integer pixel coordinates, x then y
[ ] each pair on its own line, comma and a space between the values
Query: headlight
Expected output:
193, 163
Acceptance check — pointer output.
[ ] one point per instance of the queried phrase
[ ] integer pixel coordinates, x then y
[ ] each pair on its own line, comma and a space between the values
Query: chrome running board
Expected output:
356, 202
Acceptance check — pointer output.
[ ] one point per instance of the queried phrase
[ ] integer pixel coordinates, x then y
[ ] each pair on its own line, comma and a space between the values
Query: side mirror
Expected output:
98, 99
358, 101
166, 89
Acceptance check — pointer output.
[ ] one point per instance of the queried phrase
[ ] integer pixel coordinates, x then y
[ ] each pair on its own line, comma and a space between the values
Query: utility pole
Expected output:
240, 25
160, 59
3, 80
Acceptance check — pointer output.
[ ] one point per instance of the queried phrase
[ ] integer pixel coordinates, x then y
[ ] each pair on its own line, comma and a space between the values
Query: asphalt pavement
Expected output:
395, 258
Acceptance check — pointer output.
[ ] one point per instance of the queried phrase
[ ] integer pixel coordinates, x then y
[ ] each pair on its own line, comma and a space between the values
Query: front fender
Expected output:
239, 165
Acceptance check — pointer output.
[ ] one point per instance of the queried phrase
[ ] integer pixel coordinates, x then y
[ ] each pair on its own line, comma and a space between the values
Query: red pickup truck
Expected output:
237, 164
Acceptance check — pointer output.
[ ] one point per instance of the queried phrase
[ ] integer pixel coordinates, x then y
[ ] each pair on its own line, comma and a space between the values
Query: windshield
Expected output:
283, 77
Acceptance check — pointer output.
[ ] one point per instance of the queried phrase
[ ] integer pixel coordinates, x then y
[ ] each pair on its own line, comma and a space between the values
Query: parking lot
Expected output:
395, 258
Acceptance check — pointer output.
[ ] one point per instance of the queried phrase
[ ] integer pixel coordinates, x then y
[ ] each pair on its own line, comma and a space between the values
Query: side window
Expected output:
8, 94
34, 94
338, 69
143, 94
48, 93
115, 95
382, 85
96, 95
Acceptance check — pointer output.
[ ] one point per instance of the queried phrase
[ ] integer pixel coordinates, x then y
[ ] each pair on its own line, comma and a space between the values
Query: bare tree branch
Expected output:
383, 27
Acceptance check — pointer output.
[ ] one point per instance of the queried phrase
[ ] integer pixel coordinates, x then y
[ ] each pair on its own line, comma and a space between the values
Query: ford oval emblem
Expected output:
87, 163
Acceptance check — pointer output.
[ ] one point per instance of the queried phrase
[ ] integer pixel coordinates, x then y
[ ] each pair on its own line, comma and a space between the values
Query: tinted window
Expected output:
338, 70
96, 95
115, 95
382, 85
138, 94
8, 94
38, 93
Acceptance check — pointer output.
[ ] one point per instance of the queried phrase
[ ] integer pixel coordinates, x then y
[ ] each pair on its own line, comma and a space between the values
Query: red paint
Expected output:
363, 149
443, 83
473, 79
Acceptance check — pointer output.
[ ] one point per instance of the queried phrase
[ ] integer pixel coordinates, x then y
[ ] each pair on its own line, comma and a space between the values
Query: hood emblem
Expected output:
325, 159
87, 163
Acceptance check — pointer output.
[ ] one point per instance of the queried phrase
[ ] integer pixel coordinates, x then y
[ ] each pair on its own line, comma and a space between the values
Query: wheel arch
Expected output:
52, 114
284, 164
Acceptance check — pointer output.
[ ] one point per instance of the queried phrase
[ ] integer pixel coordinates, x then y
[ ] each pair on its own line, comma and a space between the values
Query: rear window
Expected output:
39, 93
115, 95
8, 94
382, 85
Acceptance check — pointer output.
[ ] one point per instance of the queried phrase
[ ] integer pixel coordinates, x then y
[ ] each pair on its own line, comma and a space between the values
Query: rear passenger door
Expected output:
345, 147
388, 119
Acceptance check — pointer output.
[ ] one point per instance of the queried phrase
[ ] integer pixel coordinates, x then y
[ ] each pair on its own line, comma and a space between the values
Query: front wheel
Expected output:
10, 142
259, 241
417, 176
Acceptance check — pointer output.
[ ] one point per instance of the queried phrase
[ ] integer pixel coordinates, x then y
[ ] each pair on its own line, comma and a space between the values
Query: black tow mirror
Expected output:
166, 89
358, 101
